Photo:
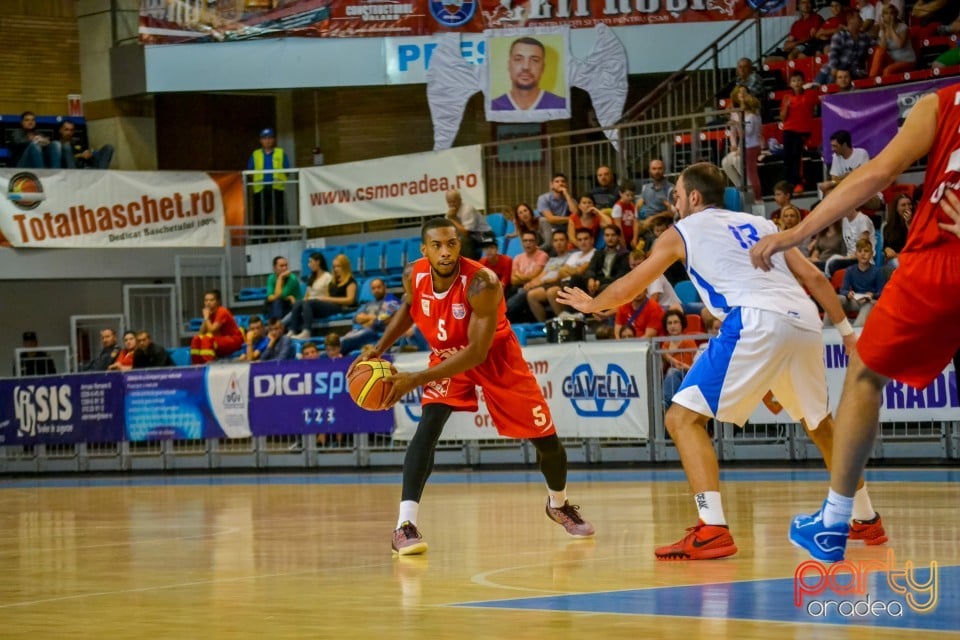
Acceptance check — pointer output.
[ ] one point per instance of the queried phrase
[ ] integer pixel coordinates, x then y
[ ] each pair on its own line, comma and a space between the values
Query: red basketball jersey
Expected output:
943, 172
443, 318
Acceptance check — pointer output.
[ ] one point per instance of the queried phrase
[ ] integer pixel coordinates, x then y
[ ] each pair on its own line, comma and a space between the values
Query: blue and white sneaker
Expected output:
826, 544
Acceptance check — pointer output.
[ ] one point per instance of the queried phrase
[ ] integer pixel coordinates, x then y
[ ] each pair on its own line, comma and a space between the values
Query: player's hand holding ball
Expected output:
370, 381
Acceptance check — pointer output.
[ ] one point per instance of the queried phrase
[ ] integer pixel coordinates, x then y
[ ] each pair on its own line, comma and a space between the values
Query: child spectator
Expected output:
862, 284
624, 214
499, 264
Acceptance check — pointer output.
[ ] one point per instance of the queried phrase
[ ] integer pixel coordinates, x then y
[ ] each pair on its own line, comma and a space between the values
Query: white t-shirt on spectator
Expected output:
668, 297
854, 230
579, 258
842, 166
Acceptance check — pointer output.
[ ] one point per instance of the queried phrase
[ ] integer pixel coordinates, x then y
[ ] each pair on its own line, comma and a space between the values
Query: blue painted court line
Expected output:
764, 601
937, 475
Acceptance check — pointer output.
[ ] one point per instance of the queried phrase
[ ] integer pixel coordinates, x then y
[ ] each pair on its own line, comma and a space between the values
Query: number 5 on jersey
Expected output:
442, 330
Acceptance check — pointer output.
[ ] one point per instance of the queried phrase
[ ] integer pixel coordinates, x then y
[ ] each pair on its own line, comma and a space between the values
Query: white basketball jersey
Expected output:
718, 244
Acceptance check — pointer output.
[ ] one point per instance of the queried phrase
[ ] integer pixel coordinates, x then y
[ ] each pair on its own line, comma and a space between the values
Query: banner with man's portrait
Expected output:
527, 78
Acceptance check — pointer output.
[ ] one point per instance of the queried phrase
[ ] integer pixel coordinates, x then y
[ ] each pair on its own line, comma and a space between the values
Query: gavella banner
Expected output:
118, 209
361, 191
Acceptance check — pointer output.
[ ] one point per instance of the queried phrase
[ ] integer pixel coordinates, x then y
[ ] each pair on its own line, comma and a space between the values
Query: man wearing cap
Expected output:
268, 185
33, 362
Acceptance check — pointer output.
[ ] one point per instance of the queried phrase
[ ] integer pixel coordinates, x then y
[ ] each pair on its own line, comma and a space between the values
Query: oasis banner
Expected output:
118, 209
178, 21
389, 188
593, 389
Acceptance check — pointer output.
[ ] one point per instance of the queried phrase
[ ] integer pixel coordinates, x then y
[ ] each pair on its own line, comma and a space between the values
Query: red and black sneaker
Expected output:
870, 531
702, 542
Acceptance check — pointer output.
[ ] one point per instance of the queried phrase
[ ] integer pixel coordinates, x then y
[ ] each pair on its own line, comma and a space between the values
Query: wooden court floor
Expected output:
308, 556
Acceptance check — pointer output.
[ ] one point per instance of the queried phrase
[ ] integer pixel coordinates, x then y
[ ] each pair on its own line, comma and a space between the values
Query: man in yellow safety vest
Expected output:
269, 181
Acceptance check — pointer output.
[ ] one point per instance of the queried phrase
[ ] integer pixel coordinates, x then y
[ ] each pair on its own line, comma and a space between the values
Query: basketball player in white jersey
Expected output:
770, 339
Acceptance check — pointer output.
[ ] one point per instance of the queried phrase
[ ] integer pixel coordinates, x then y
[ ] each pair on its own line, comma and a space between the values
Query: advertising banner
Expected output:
900, 403
873, 116
594, 390
123, 209
308, 396
359, 192
56, 410
230, 21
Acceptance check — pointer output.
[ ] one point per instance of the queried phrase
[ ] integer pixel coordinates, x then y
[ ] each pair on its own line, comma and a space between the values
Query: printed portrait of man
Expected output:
526, 64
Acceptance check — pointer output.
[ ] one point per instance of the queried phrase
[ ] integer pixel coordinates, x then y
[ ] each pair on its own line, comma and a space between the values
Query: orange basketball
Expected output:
370, 383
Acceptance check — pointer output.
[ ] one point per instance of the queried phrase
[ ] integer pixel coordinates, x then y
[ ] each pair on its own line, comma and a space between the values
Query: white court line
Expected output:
127, 543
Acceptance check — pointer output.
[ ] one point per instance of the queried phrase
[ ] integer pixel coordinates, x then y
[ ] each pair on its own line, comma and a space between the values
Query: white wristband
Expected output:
845, 328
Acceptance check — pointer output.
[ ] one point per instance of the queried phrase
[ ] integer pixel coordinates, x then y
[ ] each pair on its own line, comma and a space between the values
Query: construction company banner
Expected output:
387, 188
56, 410
873, 116
901, 403
593, 389
167, 22
118, 209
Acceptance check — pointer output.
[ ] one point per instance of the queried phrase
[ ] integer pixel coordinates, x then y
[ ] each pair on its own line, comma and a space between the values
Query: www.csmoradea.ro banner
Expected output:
72, 209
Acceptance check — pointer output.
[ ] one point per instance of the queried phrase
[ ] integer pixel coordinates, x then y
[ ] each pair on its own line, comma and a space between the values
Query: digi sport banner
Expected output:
222, 21
117, 209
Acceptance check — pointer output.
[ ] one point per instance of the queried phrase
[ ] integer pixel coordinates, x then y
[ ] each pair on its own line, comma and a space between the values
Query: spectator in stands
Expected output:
606, 265
341, 297
108, 353
283, 289
76, 157
746, 142
525, 220
894, 230
797, 115
124, 360
677, 353
472, 226
318, 283
660, 290
32, 150
748, 77
499, 264
331, 346
656, 199
846, 158
827, 244
627, 332
555, 205
576, 265
279, 346
269, 181
149, 354
856, 226
372, 318
867, 14
256, 339
928, 16
624, 214
782, 195
528, 264
532, 296
844, 80
862, 284
34, 362
951, 57
309, 351
801, 41
605, 193
219, 335
831, 25
587, 216
848, 50
894, 52
642, 314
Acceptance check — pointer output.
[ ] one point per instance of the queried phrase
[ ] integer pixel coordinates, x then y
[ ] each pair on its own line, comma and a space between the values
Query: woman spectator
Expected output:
587, 217
894, 230
678, 353
525, 220
894, 48
341, 296
124, 361
826, 244
746, 138
789, 218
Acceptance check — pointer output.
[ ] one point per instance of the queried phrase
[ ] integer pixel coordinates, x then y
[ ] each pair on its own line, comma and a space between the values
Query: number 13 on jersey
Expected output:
745, 234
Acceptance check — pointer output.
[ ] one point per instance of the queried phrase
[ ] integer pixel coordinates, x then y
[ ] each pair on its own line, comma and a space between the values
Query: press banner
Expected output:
200, 21
873, 116
901, 403
118, 209
56, 410
593, 389
358, 191
308, 396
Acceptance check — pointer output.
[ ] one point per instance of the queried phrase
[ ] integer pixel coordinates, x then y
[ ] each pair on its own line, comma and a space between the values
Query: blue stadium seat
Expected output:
686, 292
510, 228
195, 324
180, 356
354, 253
372, 258
513, 247
732, 199
330, 253
413, 249
498, 223
526, 331
393, 261
364, 293
251, 294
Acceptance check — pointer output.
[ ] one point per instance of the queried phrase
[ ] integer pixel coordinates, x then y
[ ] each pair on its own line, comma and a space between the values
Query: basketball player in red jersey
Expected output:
903, 338
458, 305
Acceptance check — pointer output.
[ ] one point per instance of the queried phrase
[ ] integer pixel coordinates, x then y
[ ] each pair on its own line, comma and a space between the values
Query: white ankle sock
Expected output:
837, 509
710, 507
557, 498
862, 507
408, 511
